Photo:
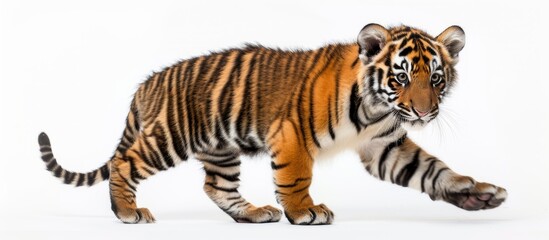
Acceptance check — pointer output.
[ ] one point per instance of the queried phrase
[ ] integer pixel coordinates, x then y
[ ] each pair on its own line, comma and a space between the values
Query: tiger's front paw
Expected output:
315, 215
476, 196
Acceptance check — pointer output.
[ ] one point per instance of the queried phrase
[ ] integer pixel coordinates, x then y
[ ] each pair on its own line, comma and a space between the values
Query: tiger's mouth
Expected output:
413, 125
412, 120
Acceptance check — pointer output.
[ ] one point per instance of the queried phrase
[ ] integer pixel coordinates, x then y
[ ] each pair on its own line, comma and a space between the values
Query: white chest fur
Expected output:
347, 137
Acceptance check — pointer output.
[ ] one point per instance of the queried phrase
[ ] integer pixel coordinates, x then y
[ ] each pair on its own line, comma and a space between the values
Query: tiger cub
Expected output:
295, 106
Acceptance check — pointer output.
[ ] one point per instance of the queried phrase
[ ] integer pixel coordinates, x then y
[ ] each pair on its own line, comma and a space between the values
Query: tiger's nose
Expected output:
421, 113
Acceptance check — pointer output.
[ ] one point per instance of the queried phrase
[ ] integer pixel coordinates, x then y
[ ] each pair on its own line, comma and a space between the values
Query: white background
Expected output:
70, 68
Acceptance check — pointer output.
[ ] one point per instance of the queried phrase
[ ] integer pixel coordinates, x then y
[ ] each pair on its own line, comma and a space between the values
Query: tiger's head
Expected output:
406, 71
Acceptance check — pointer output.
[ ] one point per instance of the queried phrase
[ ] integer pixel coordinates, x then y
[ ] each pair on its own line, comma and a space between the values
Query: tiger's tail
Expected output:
98, 175
73, 178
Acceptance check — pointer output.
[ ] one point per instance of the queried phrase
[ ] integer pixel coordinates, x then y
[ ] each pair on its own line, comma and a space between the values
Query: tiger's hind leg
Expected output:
144, 158
123, 186
221, 185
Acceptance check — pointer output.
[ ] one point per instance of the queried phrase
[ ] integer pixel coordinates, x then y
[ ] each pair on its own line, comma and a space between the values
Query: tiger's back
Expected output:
232, 99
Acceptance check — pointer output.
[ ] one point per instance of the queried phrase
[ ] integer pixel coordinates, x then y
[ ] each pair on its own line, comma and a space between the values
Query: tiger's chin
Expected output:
414, 125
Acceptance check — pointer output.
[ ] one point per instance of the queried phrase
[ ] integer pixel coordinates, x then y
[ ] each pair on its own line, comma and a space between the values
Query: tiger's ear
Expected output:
453, 38
371, 39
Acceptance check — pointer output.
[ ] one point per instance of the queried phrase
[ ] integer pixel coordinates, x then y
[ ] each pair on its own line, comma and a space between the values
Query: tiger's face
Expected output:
408, 72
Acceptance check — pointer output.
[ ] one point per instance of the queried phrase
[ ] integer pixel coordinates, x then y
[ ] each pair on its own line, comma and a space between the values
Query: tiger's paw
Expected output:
263, 214
476, 196
139, 215
315, 215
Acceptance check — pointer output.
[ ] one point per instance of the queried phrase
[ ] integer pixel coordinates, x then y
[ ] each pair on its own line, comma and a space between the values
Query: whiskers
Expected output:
446, 125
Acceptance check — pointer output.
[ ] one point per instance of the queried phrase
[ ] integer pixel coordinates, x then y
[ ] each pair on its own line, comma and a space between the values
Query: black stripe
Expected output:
58, 171
135, 113
201, 103
247, 146
296, 182
178, 117
81, 179
405, 51
188, 100
302, 189
431, 50
304, 197
330, 127
289, 59
224, 102
429, 169
388, 55
91, 177
134, 174
301, 95
386, 151
381, 90
275, 166
245, 112
260, 89
45, 149
234, 203
233, 198
253, 112
403, 43
161, 143
222, 188
69, 177
150, 172
230, 86
406, 173
133, 188
158, 151
173, 125
146, 154
353, 108
230, 178
224, 159
354, 63
337, 79
156, 106
231, 164
387, 132
280, 193
223, 155
311, 98
47, 157
153, 155
437, 175
127, 135
52, 164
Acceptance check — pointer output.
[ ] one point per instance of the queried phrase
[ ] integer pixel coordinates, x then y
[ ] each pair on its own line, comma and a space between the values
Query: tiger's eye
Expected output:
402, 78
436, 78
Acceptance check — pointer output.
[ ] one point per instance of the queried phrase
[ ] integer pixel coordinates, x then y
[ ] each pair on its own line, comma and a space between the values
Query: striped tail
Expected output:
68, 177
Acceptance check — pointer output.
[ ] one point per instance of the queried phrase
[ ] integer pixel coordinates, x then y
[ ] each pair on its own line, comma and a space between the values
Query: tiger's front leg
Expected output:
402, 162
292, 166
